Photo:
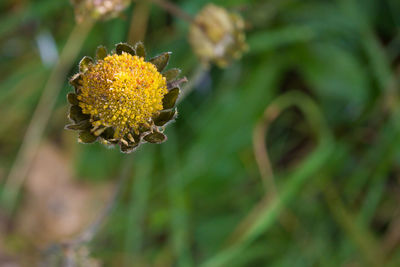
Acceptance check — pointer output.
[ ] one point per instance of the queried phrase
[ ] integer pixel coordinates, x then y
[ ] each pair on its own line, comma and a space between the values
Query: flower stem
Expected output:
42, 115
196, 77
174, 10
139, 22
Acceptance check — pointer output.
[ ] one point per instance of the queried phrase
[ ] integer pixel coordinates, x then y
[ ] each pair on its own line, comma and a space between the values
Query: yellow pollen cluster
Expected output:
122, 91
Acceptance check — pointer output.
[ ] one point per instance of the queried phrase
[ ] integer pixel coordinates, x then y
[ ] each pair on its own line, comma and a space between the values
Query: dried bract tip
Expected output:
98, 9
217, 36
122, 99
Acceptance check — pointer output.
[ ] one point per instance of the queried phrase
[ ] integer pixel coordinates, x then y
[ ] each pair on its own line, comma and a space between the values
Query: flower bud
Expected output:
217, 35
98, 9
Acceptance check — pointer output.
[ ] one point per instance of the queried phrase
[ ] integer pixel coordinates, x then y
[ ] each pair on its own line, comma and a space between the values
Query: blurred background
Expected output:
289, 156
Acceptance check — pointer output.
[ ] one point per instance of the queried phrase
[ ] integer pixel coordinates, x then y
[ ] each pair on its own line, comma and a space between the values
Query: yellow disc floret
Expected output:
123, 92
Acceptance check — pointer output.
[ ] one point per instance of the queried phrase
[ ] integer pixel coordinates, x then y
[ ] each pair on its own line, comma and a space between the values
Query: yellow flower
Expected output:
122, 99
217, 35
123, 91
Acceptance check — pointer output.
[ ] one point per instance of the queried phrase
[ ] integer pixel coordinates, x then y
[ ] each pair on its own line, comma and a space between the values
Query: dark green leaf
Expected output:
123, 47
72, 99
108, 133
86, 137
143, 128
128, 149
85, 63
171, 74
101, 52
76, 115
170, 98
140, 50
155, 138
164, 117
161, 61
76, 80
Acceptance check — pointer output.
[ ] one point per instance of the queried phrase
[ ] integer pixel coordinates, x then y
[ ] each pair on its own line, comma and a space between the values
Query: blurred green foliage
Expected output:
338, 186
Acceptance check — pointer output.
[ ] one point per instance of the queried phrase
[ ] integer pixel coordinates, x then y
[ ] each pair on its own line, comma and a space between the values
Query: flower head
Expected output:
217, 35
98, 9
122, 99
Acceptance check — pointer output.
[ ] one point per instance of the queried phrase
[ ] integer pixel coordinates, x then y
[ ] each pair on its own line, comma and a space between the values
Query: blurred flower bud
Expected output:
217, 35
98, 9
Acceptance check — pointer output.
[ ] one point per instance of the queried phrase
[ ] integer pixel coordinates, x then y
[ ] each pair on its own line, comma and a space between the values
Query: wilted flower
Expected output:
217, 35
122, 99
98, 9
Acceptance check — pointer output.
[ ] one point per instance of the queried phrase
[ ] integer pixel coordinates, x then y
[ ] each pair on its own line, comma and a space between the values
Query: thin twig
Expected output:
272, 111
260, 150
174, 10
42, 114
194, 80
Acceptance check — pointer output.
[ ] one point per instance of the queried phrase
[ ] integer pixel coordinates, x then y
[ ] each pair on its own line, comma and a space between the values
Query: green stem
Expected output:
174, 10
139, 22
42, 115
194, 79
267, 211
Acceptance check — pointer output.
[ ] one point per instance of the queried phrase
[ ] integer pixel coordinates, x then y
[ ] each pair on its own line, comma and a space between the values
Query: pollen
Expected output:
123, 92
